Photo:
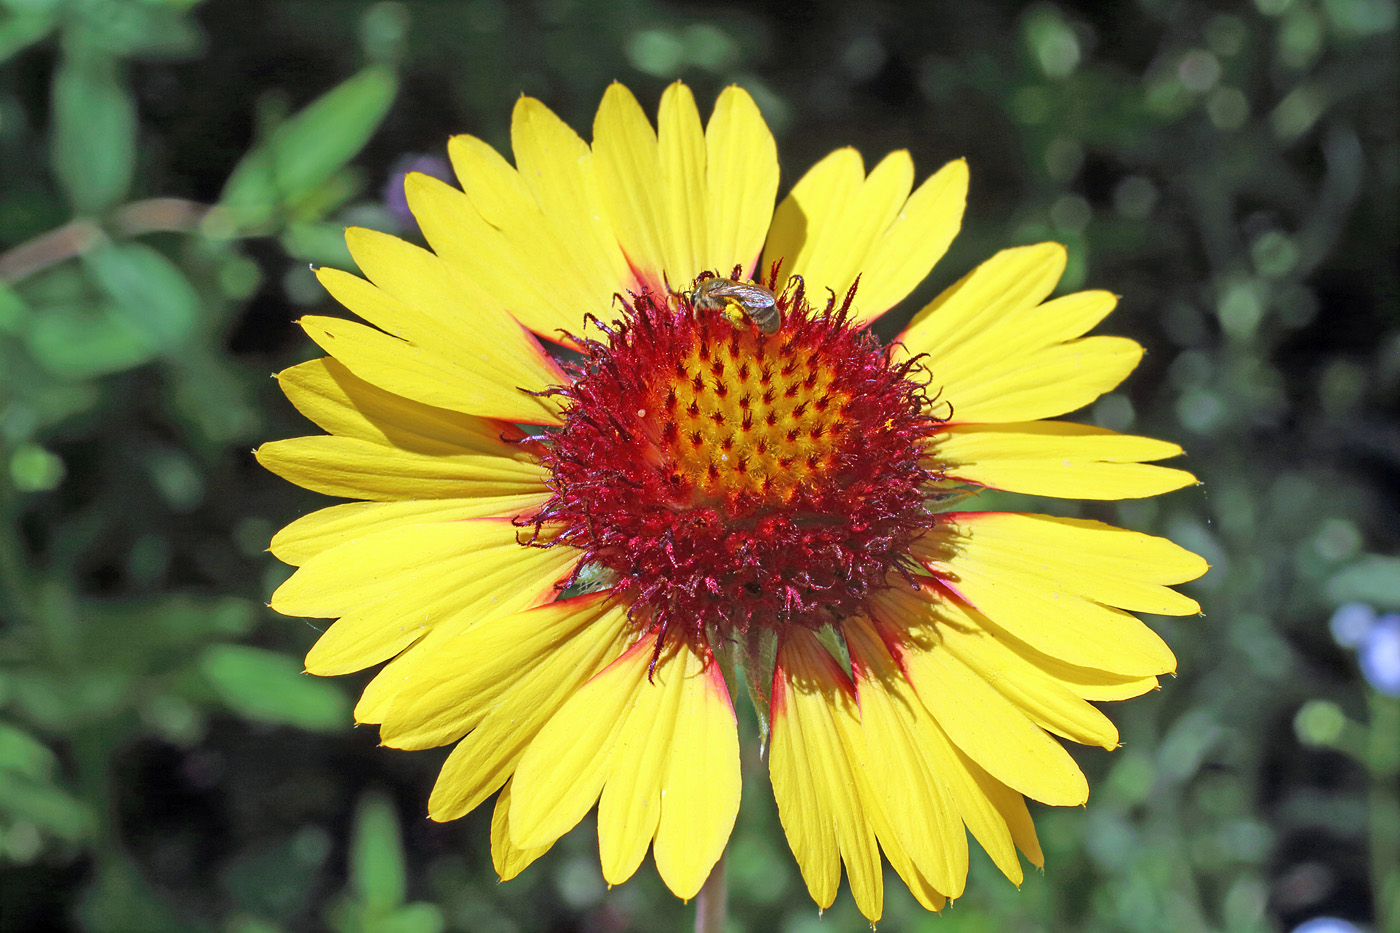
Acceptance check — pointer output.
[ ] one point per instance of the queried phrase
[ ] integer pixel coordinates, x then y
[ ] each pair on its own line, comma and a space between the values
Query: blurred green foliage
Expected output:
170, 168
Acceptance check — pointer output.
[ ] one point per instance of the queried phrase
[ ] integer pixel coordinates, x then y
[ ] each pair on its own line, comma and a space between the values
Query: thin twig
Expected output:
160, 215
70, 240
154, 215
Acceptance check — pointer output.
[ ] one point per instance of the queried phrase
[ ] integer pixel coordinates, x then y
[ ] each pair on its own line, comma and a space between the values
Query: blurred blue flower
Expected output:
1380, 655
395, 199
1376, 640
1351, 622
1326, 925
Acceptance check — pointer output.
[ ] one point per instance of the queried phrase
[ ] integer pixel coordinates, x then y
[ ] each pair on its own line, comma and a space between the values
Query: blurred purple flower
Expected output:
1380, 655
394, 198
1326, 925
1351, 622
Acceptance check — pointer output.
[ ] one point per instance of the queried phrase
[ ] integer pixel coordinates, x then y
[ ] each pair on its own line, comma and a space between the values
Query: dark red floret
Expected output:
730, 480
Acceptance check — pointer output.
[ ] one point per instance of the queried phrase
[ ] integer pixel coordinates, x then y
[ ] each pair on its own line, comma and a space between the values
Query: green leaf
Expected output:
308, 149
63, 701
377, 865
51, 809
22, 28
34, 469
77, 343
1373, 579
246, 923
250, 195
178, 619
384, 32
14, 312
153, 310
120, 899
137, 29
279, 879
150, 293
322, 244
418, 917
267, 687
213, 401
93, 130
21, 753
325, 136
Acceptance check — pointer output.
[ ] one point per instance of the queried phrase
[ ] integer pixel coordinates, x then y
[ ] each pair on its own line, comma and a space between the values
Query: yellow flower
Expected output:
733, 476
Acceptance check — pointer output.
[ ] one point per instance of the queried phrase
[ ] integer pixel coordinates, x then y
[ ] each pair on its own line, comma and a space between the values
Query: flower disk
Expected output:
730, 479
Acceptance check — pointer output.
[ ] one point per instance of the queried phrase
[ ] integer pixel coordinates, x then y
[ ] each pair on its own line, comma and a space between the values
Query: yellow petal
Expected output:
430, 378
501, 266
419, 298
636, 738
1055, 458
409, 579
1053, 381
986, 806
916, 802
582, 250
1010, 285
994, 814
355, 642
996, 354
837, 224
919, 885
630, 804
930, 621
923, 890
383, 688
633, 190
683, 200
496, 191
680, 143
1061, 585
340, 403
741, 175
700, 793
563, 770
1091, 684
508, 859
357, 469
981, 813
474, 560
503, 692
814, 758
1011, 806
804, 230
326, 528
459, 313
914, 242
1114, 566
517, 655
991, 730
1084, 682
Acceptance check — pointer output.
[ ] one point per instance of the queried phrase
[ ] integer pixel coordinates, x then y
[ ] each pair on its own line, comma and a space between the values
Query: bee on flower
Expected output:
708, 499
756, 302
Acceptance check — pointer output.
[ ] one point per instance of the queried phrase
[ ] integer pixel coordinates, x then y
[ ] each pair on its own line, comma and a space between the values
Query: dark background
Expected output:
1230, 169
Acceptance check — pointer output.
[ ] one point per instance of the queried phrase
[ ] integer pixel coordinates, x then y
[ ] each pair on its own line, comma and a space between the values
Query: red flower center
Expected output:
729, 479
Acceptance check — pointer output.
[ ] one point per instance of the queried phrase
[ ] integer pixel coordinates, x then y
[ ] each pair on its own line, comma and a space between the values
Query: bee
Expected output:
759, 304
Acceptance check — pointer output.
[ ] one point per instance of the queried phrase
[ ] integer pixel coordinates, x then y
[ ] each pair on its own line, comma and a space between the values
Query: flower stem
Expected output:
710, 906
1384, 765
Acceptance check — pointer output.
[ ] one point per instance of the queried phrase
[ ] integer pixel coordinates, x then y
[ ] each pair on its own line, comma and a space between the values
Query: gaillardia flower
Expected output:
729, 474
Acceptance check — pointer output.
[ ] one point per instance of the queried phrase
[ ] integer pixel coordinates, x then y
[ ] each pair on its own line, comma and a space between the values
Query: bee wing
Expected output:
746, 293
